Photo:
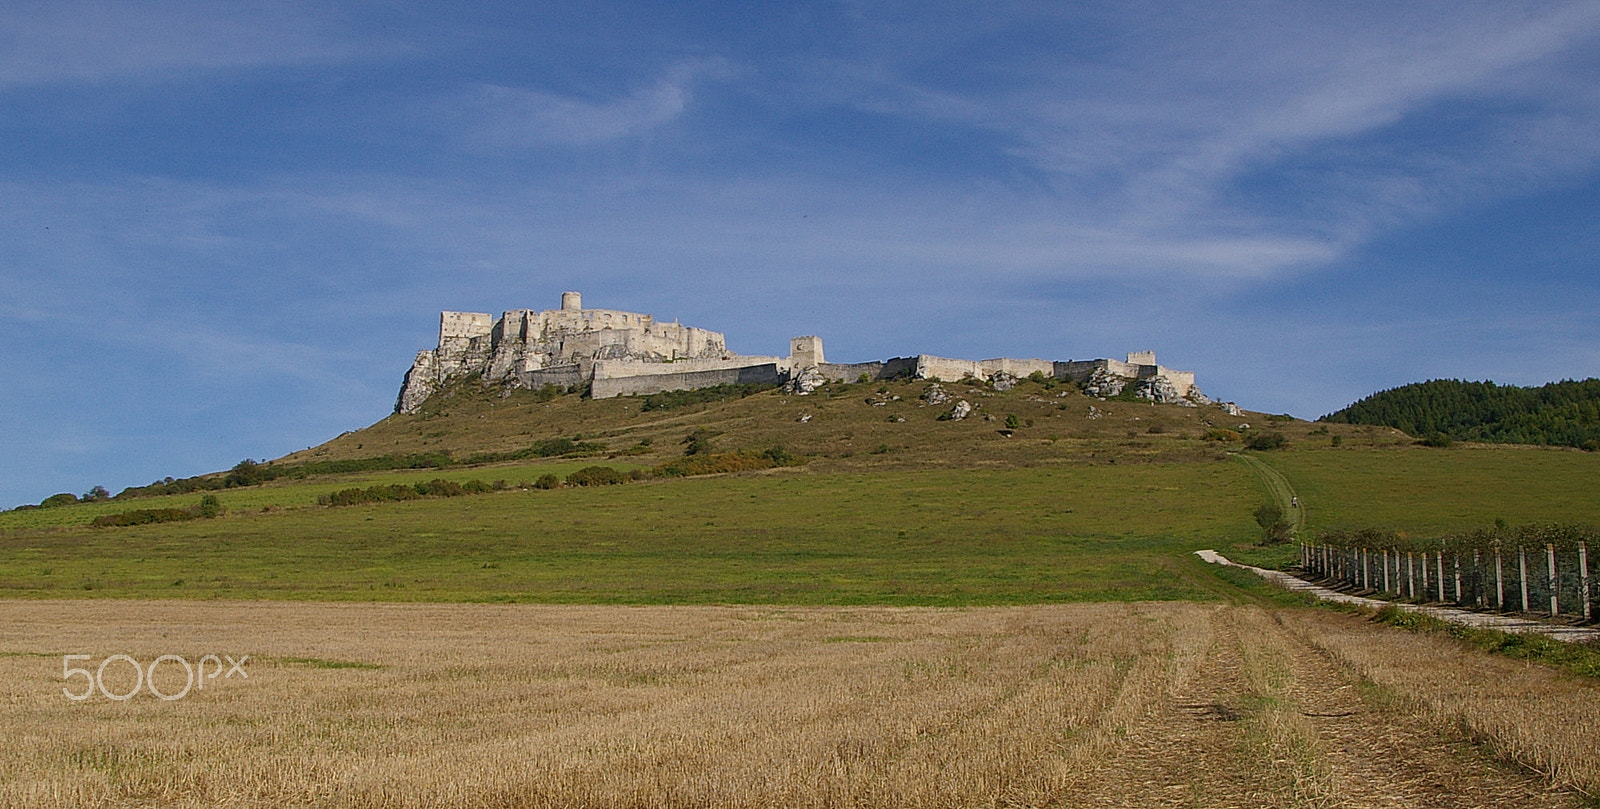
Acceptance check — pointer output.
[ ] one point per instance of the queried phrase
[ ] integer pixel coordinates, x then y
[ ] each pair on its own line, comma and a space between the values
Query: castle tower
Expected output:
1142, 358
805, 352
571, 301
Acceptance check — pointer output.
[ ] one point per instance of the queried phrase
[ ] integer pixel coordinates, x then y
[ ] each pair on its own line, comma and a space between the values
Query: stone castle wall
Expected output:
764, 374
620, 353
895, 368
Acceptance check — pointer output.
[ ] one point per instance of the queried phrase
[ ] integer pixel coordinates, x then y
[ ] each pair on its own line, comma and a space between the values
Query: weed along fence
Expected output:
1531, 568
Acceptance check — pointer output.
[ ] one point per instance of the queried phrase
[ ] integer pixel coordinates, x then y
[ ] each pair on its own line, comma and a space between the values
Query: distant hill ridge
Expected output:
1565, 413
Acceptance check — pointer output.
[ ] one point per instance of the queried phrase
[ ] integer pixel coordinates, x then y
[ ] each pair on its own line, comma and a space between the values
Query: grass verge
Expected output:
1572, 658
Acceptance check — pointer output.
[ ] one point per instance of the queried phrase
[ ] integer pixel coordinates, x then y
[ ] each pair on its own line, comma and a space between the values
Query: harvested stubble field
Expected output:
1118, 705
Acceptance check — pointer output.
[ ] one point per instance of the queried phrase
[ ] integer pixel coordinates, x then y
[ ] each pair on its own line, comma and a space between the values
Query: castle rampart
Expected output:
618, 353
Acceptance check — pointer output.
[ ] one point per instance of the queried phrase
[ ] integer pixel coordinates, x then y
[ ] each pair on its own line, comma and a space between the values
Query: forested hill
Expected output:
1561, 413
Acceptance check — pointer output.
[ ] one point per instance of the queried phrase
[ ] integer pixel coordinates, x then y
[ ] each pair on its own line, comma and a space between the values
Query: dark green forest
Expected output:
1563, 413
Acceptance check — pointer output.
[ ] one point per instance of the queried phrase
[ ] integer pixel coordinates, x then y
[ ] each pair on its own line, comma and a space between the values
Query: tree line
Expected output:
1565, 413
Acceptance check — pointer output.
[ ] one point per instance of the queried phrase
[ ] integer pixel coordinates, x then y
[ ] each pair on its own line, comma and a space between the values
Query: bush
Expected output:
1436, 439
1265, 441
698, 442
596, 476
548, 448
1222, 435
547, 481
62, 499
667, 400
248, 473
399, 491
143, 516
1274, 528
210, 507
781, 457
724, 462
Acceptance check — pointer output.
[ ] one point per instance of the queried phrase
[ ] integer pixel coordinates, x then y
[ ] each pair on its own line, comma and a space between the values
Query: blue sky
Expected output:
226, 227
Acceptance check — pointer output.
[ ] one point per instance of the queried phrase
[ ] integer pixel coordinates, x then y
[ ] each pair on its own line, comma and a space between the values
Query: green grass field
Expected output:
1434, 491
938, 537
885, 511
294, 494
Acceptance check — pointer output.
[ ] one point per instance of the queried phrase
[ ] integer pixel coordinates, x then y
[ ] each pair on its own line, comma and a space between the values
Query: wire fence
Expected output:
1540, 569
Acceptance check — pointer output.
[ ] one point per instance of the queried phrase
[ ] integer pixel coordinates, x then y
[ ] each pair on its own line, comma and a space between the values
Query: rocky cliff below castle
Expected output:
616, 353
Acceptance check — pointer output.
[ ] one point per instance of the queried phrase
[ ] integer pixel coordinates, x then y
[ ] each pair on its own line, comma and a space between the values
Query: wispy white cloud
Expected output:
500, 116
1155, 143
72, 41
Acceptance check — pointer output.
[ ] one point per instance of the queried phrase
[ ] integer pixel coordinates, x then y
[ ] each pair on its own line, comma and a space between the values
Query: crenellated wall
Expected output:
619, 353
764, 374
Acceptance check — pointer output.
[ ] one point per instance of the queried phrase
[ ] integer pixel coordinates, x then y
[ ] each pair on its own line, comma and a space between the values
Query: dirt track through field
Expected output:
1088, 705
1274, 721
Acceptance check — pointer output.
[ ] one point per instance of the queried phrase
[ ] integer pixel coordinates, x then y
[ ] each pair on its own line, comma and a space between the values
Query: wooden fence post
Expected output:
1522, 574
1499, 580
1424, 577
1366, 574
1554, 580
1583, 580
1386, 570
1440, 574
1459, 600
1477, 578
1411, 575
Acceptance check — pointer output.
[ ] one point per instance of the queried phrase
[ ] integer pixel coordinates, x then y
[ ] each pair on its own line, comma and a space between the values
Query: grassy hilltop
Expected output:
1041, 495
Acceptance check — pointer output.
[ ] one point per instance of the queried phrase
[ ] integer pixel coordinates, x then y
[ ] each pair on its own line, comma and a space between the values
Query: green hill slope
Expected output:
1041, 495
1560, 413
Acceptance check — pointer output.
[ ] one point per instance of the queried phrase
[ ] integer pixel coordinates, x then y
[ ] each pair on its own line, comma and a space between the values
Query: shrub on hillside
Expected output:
209, 507
248, 473
724, 462
1274, 526
697, 442
62, 499
547, 480
667, 400
1265, 441
399, 491
1222, 435
596, 476
143, 516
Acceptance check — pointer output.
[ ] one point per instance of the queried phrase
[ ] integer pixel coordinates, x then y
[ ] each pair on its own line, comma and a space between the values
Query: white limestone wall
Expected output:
1018, 368
620, 369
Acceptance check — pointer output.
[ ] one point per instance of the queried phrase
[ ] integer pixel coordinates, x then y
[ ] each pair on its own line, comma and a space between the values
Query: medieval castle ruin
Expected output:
618, 353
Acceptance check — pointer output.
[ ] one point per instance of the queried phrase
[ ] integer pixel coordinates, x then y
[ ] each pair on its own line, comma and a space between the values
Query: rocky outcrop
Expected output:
806, 381
960, 410
1160, 390
935, 395
1104, 384
421, 382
